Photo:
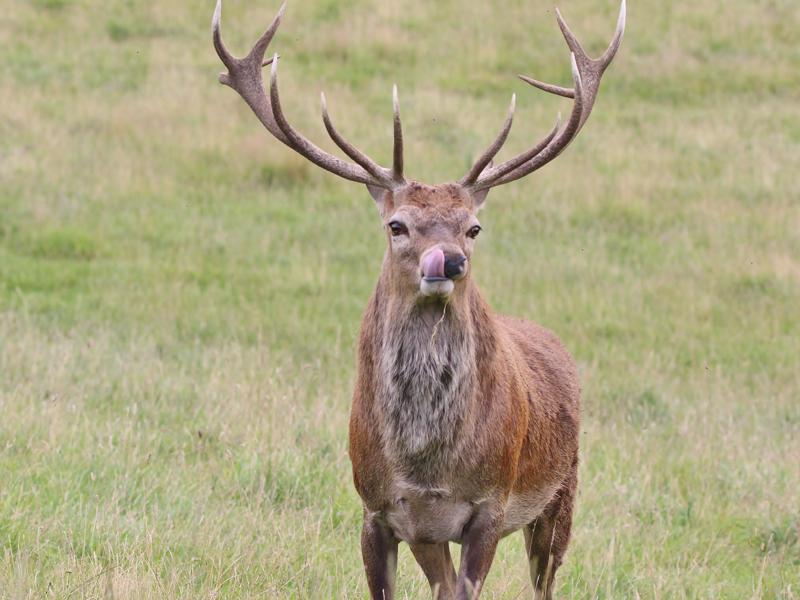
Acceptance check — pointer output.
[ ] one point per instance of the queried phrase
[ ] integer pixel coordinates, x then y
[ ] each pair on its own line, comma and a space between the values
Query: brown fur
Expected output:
517, 436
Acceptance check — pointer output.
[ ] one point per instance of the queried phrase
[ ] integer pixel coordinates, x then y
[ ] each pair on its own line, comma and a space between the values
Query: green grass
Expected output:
180, 295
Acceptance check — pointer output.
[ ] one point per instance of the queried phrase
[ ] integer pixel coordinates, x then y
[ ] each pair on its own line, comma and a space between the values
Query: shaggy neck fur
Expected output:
427, 377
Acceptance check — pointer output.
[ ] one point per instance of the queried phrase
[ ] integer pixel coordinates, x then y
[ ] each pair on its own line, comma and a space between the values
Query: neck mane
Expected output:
426, 366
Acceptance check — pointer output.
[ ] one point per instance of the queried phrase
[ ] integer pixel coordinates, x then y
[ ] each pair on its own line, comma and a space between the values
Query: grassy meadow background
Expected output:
180, 294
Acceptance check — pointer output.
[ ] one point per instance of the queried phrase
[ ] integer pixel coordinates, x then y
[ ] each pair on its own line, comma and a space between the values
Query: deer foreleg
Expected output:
479, 544
379, 551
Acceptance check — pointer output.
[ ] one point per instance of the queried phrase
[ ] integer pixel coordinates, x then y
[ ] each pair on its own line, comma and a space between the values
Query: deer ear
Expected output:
380, 195
479, 197
384, 198
376, 193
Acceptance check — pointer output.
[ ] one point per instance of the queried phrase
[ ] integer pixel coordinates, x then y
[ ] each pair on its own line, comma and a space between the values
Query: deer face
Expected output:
431, 233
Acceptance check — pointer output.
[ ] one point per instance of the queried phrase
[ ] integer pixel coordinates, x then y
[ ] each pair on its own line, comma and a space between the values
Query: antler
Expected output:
586, 74
244, 76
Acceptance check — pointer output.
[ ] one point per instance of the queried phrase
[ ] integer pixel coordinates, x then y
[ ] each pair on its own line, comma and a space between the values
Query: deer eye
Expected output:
474, 231
397, 228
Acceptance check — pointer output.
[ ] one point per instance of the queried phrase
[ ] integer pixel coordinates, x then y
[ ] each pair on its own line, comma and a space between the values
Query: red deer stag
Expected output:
464, 424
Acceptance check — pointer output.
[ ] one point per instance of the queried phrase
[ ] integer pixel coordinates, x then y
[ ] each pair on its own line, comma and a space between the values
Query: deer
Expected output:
464, 424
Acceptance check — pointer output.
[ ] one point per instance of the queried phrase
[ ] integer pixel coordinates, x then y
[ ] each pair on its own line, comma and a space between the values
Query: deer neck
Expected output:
427, 375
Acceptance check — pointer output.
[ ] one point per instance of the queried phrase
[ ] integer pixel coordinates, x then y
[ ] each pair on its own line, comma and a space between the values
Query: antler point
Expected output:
273, 73
576, 74
217, 15
215, 20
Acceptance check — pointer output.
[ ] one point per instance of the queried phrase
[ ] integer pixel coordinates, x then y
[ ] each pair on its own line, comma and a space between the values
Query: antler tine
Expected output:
587, 73
397, 162
492, 176
260, 47
486, 158
607, 56
572, 41
225, 56
549, 87
546, 150
308, 149
359, 157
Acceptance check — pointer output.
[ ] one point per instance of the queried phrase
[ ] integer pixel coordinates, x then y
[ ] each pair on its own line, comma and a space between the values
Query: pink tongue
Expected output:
433, 264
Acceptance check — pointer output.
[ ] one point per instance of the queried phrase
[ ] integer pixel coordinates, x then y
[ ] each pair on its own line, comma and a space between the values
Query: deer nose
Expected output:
454, 265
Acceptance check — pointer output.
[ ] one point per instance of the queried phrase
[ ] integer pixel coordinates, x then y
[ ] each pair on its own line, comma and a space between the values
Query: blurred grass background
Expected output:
180, 294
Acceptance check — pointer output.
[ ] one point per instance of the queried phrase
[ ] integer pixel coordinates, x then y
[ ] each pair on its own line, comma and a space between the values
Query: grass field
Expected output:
180, 294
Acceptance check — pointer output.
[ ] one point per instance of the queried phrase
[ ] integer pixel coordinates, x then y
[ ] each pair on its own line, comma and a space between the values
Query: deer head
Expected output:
430, 229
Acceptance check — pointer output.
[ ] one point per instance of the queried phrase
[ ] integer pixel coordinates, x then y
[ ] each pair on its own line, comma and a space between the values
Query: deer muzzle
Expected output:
440, 270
